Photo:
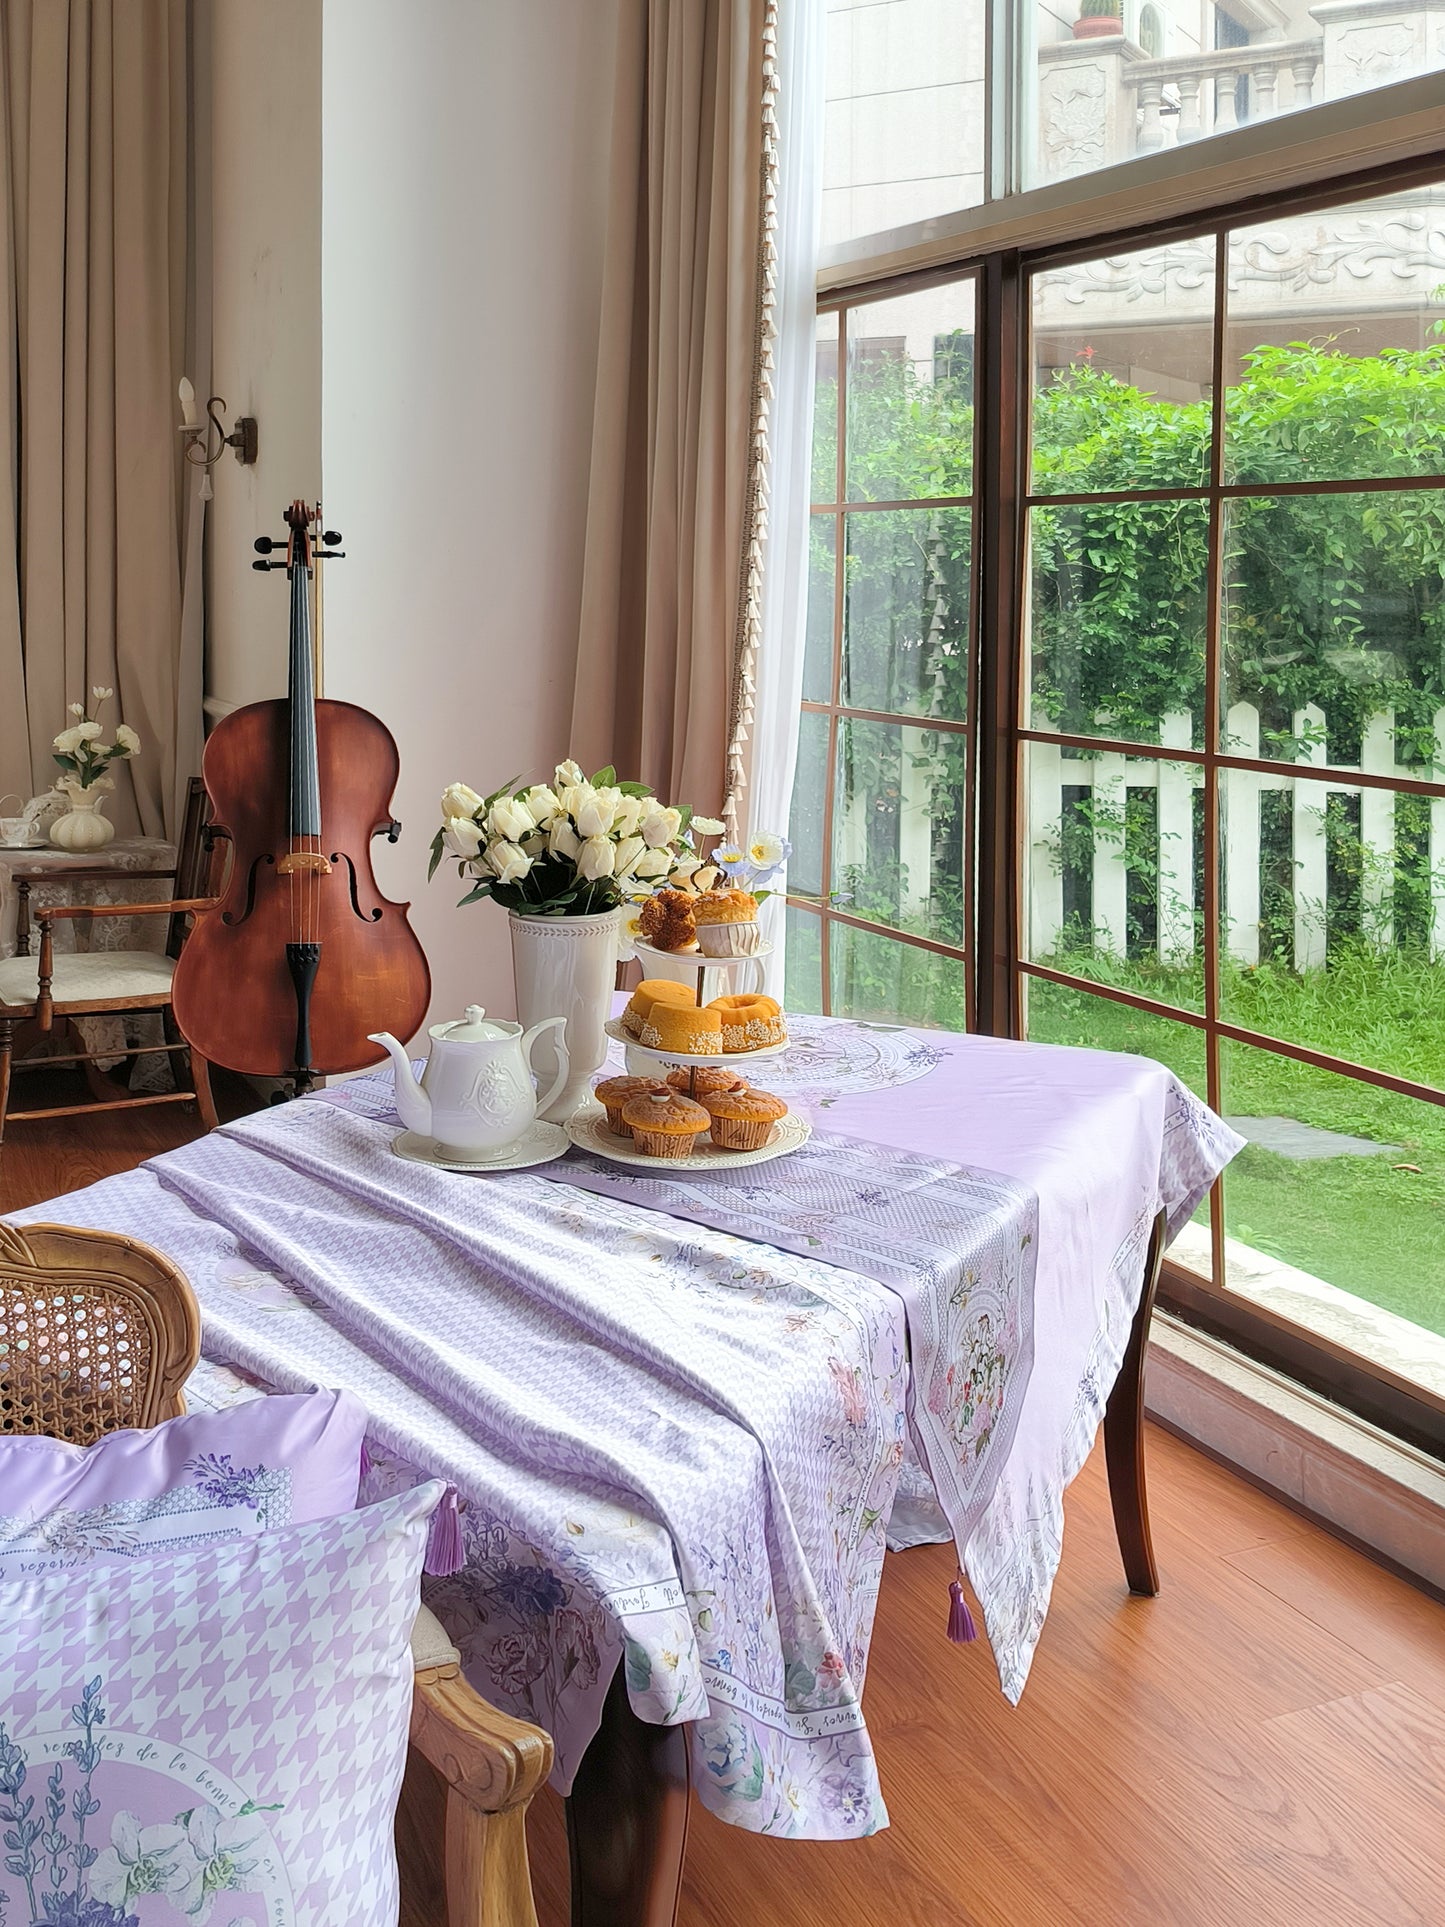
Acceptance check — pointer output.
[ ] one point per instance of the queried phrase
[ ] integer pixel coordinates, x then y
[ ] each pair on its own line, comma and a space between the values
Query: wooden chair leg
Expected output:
201, 1084
1124, 1436
627, 1820
7, 1048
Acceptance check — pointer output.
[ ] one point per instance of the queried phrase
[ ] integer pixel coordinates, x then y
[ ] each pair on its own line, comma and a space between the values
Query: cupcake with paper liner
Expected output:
726, 922
664, 1124
743, 1120
615, 1093
703, 1080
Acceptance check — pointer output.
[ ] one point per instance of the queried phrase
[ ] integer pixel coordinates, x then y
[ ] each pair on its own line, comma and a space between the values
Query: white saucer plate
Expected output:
700, 958
588, 1131
725, 1059
539, 1145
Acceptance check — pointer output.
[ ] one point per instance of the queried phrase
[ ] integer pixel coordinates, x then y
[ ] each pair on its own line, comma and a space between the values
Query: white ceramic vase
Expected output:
82, 827
566, 967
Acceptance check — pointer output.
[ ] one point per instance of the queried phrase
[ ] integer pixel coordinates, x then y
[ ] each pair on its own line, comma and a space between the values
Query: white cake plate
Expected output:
537, 1145
680, 1058
694, 954
588, 1131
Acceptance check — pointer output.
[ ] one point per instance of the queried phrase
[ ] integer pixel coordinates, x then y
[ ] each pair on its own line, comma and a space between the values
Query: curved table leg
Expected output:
627, 1820
1124, 1436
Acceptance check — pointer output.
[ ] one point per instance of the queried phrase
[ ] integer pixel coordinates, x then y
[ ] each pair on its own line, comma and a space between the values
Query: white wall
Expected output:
463, 151
266, 288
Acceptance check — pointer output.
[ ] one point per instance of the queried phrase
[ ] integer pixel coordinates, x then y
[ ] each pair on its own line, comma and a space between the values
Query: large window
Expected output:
1124, 704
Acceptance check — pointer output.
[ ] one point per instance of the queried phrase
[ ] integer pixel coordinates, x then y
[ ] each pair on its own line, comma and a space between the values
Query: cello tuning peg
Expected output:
331, 555
331, 536
264, 566
264, 544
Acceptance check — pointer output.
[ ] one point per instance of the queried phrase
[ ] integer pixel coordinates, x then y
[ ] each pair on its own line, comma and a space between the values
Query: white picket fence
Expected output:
1052, 771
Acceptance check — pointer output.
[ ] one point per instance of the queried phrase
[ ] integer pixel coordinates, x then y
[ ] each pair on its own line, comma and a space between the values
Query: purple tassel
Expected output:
444, 1553
365, 1461
961, 1629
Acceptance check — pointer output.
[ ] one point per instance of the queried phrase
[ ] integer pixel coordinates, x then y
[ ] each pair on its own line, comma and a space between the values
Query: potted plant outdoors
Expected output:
86, 780
566, 859
1098, 18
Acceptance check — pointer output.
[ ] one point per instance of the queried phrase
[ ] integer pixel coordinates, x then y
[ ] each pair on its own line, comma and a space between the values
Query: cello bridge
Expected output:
297, 860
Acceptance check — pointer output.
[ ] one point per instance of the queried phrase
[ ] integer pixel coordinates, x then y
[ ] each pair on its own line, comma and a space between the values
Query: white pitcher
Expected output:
476, 1096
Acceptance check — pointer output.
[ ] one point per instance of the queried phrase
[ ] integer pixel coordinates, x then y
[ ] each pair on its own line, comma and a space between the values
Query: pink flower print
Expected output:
845, 1377
831, 1671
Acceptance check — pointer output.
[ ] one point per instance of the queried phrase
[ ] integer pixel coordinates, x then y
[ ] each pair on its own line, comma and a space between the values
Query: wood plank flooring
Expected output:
1262, 1743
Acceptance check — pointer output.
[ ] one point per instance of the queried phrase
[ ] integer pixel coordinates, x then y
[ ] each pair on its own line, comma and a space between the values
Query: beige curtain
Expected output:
672, 503
93, 202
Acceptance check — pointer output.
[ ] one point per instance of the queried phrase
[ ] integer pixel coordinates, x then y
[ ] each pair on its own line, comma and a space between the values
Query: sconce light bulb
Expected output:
187, 394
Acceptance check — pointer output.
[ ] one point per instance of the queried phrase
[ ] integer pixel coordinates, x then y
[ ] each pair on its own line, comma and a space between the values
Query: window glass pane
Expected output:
822, 583
805, 819
1334, 629
877, 977
1055, 1015
1334, 920
1123, 367
904, 120
1334, 359
804, 960
905, 632
910, 395
825, 408
1340, 1190
1117, 620
898, 826
1115, 871
1111, 79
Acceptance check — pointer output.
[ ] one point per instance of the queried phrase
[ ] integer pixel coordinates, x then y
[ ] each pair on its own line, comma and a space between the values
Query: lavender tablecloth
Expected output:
756, 1631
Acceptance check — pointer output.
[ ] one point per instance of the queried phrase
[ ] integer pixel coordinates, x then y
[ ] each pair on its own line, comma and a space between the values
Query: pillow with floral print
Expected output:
188, 1482
216, 1737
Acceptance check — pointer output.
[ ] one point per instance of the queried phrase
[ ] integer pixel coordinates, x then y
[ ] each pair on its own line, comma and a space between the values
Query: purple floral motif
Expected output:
529, 1591
225, 1484
69, 1910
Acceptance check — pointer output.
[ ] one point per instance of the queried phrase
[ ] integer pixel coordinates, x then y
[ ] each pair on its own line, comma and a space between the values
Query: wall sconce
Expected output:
197, 433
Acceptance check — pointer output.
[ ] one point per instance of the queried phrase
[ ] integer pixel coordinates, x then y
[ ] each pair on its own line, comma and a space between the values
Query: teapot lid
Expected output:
474, 1027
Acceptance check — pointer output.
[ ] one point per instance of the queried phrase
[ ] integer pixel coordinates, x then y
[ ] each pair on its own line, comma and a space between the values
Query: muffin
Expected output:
743, 1120
654, 990
666, 920
750, 1022
683, 1030
727, 923
663, 1124
614, 1092
702, 1081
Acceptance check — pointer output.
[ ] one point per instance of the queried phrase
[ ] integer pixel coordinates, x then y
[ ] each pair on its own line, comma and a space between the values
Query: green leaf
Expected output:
639, 1667
476, 893
605, 779
436, 855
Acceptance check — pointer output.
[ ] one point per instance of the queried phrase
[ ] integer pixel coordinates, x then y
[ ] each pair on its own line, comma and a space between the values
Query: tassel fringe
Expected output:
961, 1629
444, 1552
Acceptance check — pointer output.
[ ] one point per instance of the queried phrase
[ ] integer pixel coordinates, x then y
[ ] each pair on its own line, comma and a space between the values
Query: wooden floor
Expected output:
1263, 1743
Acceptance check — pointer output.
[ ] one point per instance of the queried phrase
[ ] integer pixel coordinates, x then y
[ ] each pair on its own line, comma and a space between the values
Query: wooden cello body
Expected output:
302, 956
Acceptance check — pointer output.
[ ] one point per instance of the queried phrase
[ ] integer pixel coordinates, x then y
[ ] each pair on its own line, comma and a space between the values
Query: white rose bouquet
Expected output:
82, 755
570, 848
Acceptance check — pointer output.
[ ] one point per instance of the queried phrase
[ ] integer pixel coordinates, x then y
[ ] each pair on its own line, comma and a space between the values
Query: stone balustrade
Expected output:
1202, 95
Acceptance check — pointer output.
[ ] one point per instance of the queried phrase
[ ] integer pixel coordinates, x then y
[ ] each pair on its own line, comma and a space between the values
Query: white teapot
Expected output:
476, 1095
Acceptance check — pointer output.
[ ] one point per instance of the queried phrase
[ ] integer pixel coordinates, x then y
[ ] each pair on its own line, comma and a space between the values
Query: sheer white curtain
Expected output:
801, 52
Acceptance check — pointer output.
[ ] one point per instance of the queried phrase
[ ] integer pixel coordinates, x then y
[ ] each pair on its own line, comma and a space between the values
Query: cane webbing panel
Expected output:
96, 1333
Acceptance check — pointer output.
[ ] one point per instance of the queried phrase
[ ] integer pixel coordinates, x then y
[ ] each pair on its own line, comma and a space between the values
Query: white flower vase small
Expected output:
82, 827
566, 967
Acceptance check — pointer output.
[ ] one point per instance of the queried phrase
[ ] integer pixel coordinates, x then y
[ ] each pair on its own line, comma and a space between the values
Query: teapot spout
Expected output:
412, 1103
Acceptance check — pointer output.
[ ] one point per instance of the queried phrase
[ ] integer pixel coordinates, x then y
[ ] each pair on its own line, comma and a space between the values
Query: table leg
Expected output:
627, 1820
1124, 1435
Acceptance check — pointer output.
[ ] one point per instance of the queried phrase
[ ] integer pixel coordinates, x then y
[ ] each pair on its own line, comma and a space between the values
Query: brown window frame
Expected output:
993, 952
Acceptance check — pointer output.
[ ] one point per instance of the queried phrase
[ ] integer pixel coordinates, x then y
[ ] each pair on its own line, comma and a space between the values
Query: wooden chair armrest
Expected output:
494, 1761
179, 907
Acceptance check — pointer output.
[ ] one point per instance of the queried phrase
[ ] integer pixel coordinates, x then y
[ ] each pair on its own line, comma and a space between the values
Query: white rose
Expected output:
705, 878
87, 732
709, 826
562, 839
542, 802
660, 826
127, 740
536, 844
507, 862
510, 820
567, 776
574, 797
629, 815
461, 838
458, 800
653, 863
68, 742
628, 851
597, 858
596, 815
685, 867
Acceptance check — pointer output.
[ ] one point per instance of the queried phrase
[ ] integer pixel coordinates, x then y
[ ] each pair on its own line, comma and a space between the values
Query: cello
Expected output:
300, 957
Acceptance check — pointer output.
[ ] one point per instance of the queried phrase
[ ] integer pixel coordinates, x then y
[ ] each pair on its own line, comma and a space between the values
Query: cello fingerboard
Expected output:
305, 777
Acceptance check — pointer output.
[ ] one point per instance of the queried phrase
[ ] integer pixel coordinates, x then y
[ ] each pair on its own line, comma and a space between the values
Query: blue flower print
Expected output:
225, 1484
530, 1591
69, 1910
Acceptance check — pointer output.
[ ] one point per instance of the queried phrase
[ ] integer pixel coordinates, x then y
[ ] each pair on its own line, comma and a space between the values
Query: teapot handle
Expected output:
560, 1046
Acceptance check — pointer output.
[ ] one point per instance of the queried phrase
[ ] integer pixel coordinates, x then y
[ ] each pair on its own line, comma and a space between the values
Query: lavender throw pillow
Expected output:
217, 1737
186, 1483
